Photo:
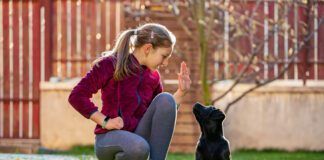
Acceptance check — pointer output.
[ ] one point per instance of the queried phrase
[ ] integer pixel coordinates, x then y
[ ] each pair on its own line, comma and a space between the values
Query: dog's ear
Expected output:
198, 104
217, 115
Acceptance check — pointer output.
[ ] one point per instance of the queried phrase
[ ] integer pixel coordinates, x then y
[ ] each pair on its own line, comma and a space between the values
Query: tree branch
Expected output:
245, 69
291, 59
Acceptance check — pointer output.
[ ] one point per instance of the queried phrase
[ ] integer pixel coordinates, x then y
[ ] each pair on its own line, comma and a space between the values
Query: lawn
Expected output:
238, 155
277, 155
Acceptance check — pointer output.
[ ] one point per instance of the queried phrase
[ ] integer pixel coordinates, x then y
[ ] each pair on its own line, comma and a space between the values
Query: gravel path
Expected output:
43, 157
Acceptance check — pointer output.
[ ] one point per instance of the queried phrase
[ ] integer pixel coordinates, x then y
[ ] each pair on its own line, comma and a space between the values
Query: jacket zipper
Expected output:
118, 104
139, 100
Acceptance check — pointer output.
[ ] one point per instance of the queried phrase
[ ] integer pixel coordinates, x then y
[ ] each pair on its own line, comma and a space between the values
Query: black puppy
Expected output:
212, 144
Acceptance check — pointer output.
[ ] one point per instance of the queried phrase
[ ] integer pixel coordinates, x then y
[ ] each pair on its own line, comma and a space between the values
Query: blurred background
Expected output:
260, 61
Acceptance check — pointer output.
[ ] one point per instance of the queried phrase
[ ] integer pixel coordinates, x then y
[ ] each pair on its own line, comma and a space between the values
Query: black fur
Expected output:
212, 144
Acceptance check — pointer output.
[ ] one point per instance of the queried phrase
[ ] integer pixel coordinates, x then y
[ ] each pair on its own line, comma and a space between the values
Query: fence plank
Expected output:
15, 28
84, 19
36, 67
92, 27
112, 27
25, 46
1, 73
6, 74
103, 26
73, 38
48, 5
54, 38
63, 34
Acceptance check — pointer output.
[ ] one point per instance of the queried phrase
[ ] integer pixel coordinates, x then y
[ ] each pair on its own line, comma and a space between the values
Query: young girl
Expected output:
137, 120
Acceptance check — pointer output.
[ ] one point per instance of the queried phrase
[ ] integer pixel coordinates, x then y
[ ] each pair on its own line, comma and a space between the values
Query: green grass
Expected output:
276, 155
237, 155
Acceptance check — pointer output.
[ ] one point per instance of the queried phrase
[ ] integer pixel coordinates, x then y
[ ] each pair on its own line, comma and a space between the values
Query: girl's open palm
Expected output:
184, 79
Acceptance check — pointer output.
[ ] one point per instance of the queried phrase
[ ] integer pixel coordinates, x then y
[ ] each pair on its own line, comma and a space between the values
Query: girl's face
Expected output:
158, 57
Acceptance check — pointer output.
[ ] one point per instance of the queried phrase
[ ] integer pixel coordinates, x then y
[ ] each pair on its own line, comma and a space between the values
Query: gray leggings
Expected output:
151, 138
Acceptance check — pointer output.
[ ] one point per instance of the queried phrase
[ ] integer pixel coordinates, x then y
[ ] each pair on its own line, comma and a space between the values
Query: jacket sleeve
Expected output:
94, 80
159, 87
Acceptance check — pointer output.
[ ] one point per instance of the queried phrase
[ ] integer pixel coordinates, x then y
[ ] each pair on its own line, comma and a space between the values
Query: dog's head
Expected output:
209, 118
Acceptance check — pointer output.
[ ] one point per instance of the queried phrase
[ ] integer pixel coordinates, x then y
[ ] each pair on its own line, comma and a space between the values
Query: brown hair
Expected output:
155, 34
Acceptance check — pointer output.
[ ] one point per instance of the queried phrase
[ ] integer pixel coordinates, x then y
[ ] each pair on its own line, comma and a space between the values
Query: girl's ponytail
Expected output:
121, 51
152, 33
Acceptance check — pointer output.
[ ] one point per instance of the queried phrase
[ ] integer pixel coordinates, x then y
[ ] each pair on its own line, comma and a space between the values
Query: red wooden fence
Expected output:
82, 30
20, 75
40, 39
273, 57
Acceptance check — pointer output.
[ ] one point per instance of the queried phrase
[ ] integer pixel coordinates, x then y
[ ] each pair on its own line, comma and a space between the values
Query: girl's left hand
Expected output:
184, 79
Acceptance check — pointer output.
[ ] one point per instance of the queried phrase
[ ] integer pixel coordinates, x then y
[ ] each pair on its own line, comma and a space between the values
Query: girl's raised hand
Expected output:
184, 79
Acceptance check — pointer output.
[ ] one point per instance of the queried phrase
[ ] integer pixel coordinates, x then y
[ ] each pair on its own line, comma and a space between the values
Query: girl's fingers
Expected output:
180, 81
186, 78
183, 68
184, 84
183, 77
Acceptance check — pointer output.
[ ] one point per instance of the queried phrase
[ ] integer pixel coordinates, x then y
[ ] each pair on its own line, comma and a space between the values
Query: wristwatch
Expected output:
104, 123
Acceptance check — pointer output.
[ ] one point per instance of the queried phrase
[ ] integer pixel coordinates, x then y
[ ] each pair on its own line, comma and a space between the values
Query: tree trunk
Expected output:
203, 44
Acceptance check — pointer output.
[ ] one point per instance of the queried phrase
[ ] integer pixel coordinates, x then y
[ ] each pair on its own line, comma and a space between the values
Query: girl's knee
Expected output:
107, 152
140, 150
166, 100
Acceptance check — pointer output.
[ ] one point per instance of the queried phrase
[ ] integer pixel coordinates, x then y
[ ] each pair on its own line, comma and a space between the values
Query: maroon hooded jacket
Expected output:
128, 98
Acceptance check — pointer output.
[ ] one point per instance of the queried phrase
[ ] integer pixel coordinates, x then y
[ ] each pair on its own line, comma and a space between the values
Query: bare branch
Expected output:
185, 27
241, 74
180, 19
239, 77
243, 71
291, 59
